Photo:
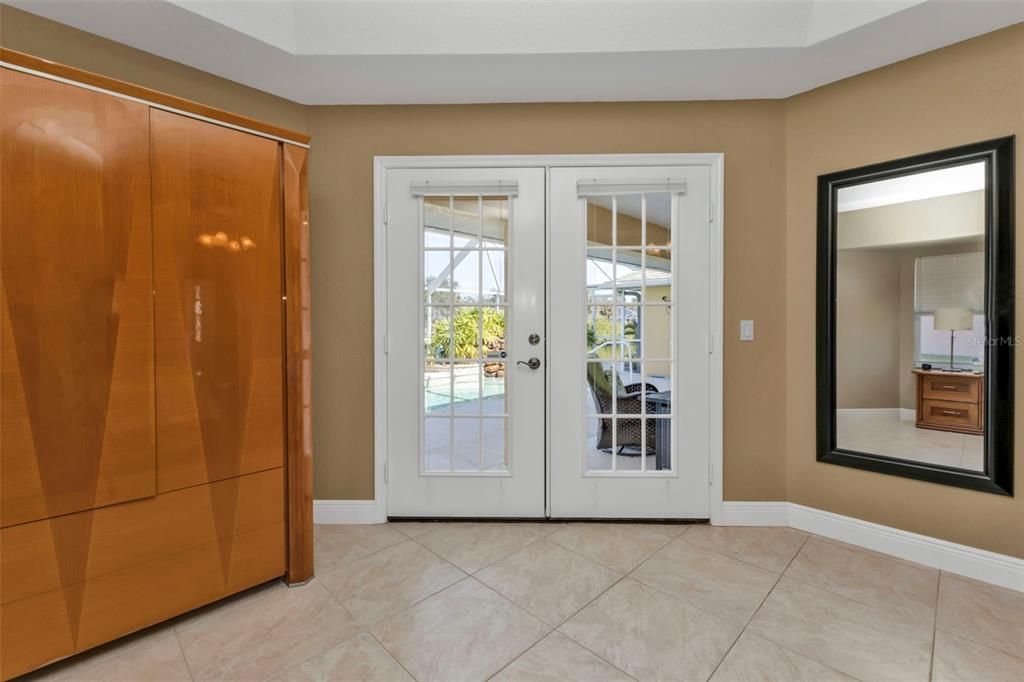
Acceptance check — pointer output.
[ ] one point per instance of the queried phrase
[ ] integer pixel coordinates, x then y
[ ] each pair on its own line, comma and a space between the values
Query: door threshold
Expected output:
526, 519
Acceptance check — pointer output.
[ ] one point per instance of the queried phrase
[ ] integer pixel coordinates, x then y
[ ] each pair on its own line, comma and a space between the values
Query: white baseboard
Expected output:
998, 569
908, 414
348, 511
754, 514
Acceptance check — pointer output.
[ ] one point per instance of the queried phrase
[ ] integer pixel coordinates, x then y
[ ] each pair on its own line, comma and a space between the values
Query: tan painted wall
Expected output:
867, 329
967, 92
47, 39
345, 140
774, 150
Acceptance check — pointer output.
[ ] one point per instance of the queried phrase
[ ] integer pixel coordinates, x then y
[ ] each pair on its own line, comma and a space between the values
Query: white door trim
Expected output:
382, 164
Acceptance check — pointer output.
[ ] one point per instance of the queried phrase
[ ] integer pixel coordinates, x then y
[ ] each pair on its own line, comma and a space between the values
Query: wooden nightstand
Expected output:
950, 401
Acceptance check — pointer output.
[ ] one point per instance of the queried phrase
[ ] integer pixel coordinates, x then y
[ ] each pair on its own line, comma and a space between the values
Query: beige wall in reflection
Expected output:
867, 329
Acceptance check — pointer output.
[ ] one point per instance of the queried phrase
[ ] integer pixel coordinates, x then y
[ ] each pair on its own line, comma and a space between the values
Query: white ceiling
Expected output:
430, 51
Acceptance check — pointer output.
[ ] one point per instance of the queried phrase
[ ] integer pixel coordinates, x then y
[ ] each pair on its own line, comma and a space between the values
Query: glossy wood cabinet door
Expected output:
217, 233
145, 561
295, 165
76, 343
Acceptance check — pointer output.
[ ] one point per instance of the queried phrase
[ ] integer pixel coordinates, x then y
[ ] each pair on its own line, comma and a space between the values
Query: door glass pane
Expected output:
495, 222
599, 443
494, 389
629, 220
601, 332
437, 388
661, 430
629, 275
437, 332
464, 316
658, 227
466, 445
600, 276
656, 326
437, 446
599, 221
629, 333
466, 389
437, 275
657, 276
437, 222
466, 222
466, 274
493, 435
600, 382
493, 290
627, 330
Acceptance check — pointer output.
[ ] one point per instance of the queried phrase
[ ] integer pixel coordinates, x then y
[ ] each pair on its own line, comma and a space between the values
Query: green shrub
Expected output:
467, 327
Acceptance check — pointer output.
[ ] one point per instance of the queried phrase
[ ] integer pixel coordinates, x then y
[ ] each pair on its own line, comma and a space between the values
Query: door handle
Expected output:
532, 363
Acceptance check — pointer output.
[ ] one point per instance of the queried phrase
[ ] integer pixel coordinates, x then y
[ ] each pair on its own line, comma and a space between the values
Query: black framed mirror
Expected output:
915, 317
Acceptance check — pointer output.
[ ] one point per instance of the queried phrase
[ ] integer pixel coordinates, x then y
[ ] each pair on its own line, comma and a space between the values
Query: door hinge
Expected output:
387, 214
711, 344
387, 344
387, 471
711, 212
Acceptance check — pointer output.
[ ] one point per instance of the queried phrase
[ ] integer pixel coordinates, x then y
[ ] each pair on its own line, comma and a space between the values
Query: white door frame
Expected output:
382, 164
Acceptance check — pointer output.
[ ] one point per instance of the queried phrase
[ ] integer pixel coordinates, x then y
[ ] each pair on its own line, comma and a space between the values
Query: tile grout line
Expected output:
376, 551
621, 576
391, 655
885, 610
366, 627
184, 656
985, 645
577, 612
327, 648
612, 568
763, 600
807, 536
534, 541
189, 619
320, 653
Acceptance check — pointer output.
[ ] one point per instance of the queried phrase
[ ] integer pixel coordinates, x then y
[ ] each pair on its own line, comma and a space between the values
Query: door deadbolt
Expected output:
532, 363
534, 339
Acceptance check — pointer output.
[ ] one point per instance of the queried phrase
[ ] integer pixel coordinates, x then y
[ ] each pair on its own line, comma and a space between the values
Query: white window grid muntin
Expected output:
478, 249
643, 416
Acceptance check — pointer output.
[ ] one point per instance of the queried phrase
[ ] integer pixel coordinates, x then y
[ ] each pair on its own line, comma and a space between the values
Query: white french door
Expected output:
547, 346
629, 364
465, 310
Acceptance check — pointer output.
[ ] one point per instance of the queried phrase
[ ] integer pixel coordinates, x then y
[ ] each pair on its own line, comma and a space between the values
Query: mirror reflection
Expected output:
910, 317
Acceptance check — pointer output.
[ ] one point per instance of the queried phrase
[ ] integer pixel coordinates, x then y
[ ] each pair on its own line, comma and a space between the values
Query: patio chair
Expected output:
628, 402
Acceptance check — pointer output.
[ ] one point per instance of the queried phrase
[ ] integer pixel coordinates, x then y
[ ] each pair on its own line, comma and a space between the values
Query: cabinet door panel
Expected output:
217, 259
76, 344
295, 162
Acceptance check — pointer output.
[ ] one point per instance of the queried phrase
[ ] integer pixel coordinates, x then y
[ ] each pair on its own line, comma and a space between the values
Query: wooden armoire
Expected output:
155, 449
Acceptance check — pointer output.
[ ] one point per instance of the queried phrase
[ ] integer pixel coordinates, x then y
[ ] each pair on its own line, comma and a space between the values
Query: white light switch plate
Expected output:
746, 330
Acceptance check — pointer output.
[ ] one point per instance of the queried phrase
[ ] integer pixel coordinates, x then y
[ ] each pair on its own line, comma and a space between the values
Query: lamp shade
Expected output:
953, 319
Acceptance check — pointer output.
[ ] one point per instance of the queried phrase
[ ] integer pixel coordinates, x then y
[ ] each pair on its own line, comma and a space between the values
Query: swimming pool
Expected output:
465, 387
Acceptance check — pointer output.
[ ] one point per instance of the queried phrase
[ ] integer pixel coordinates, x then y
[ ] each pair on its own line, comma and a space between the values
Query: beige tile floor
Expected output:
531, 601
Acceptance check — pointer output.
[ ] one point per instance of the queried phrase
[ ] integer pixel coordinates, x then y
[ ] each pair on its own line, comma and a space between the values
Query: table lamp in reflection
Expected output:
953, 320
